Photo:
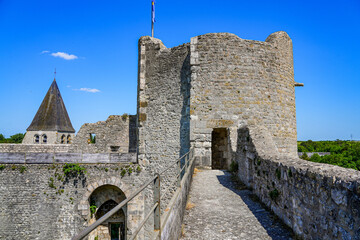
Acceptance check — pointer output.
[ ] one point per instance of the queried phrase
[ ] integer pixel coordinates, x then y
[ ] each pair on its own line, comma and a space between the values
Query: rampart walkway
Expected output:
223, 209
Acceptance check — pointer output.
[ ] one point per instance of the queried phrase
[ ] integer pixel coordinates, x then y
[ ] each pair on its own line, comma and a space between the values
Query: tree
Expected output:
17, 138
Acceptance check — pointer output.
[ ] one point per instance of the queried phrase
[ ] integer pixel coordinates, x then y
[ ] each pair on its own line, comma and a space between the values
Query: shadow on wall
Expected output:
132, 133
185, 110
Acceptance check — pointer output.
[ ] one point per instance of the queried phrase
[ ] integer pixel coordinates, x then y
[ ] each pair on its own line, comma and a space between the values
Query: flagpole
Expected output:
152, 17
152, 29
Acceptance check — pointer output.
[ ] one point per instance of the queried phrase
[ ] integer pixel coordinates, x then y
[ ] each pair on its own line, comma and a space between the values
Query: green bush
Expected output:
22, 169
93, 209
73, 170
51, 183
274, 194
278, 173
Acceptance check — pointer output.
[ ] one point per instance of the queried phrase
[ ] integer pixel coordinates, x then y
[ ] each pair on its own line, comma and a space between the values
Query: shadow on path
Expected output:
275, 228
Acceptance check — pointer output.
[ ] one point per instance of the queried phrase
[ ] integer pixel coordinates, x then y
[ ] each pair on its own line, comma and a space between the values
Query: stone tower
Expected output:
51, 124
201, 93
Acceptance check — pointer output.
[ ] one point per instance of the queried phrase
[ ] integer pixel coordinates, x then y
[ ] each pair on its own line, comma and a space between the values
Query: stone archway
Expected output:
134, 212
84, 205
101, 201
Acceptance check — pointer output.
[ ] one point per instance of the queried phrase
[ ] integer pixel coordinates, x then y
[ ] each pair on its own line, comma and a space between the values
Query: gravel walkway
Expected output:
223, 209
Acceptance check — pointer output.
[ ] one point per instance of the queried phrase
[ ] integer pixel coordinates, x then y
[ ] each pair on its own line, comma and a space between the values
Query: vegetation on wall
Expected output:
342, 153
73, 170
17, 138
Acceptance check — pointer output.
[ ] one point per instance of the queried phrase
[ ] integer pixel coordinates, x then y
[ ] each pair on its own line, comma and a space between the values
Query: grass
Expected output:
196, 171
189, 205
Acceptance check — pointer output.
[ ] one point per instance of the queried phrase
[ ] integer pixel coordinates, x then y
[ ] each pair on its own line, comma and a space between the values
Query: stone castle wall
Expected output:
116, 134
163, 102
39, 202
65, 157
318, 201
236, 81
39, 148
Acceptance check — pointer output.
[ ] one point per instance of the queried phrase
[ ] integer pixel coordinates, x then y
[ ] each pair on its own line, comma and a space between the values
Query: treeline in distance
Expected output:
17, 138
342, 153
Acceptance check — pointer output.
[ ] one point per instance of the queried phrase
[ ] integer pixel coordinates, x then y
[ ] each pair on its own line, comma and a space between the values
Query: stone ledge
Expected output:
49, 158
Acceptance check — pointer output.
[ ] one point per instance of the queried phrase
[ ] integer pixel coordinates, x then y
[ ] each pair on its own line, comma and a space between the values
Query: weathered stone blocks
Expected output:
318, 201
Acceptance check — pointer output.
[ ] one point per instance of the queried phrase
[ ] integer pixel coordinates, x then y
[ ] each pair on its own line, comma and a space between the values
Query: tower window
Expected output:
44, 138
68, 139
63, 139
92, 138
36, 138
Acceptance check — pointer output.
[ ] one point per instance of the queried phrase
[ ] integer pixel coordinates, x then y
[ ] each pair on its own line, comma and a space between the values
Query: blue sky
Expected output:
102, 36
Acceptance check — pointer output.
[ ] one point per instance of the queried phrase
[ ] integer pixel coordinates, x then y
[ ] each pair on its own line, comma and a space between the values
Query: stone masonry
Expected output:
318, 201
40, 202
116, 134
217, 81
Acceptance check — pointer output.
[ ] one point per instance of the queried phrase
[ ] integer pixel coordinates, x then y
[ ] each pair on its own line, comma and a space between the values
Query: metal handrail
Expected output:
90, 228
144, 221
155, 208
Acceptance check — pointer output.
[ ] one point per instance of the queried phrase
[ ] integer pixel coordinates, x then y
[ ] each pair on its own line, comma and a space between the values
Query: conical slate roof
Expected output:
52, 114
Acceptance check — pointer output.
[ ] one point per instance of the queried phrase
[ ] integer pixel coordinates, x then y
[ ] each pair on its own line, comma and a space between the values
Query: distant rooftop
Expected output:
52, 114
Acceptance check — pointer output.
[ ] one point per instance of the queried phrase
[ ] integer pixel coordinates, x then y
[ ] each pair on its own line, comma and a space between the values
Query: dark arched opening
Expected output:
101, 201
44, 138
36, 138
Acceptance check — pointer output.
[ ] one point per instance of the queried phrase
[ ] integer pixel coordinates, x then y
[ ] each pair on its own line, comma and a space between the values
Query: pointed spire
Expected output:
52, 114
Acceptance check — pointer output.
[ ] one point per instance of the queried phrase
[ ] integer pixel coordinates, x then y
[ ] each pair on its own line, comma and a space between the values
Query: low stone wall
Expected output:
309, 154
48, 158
172, 219
39, 148
318, 201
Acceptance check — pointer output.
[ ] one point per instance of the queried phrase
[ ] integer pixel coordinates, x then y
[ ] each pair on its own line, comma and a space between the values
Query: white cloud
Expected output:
91, 90
45, 52
63, 55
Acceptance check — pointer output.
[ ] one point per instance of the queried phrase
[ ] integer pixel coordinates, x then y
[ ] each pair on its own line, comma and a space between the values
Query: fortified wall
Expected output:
116, 134
215, 83
318, 201
163, 101
41, 201
234, 100
236, 81
231, 100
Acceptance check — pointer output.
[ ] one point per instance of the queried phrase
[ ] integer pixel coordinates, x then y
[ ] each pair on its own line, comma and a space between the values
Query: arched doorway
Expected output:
101, 201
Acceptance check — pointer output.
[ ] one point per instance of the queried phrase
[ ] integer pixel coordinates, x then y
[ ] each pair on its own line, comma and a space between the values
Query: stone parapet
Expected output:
34, 148
48, 158
318, 201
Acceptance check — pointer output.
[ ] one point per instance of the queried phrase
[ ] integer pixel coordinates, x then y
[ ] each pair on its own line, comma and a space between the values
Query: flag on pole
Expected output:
152, 11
